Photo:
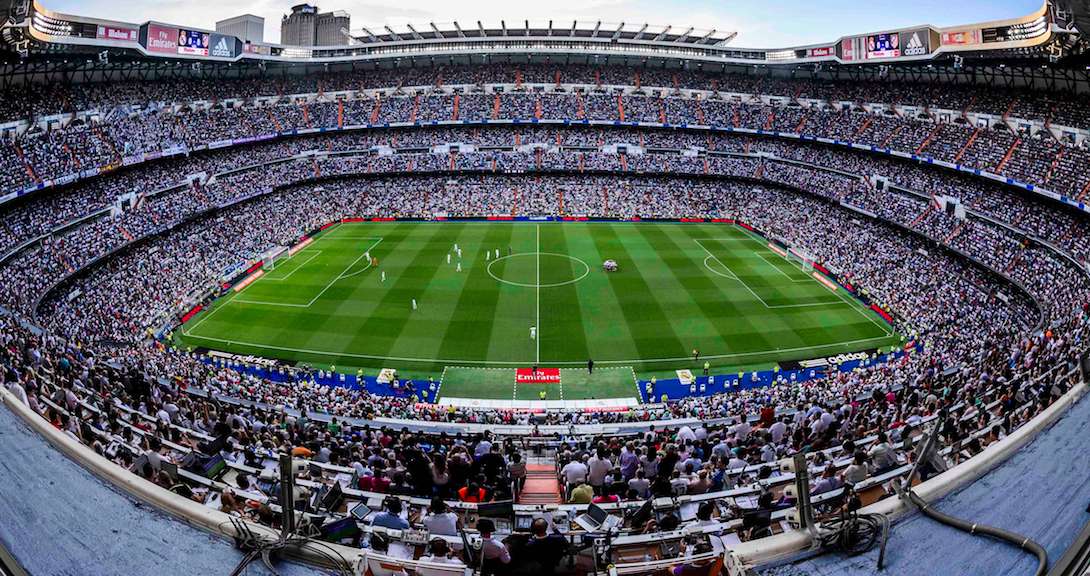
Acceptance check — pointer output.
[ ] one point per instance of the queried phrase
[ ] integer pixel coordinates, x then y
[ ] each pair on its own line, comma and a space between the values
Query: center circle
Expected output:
538, 269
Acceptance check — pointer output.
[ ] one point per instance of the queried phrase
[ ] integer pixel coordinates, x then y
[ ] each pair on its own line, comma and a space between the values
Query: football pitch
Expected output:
715, 288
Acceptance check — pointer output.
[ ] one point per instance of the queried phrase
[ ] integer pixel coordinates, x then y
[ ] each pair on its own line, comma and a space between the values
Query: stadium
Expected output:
577, 298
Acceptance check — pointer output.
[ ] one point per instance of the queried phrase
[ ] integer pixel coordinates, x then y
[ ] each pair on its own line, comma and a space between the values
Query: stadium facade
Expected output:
981, 201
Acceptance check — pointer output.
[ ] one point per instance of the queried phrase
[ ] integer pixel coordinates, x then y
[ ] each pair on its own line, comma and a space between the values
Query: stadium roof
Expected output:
549, 29
36, 34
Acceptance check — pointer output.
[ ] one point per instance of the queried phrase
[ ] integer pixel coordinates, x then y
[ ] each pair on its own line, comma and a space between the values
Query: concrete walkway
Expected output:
58, 519
1042, 492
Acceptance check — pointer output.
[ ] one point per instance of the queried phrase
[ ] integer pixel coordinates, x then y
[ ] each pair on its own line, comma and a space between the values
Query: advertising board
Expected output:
966, 37
161, 39
915, 42
1014, 32
117, 33
222, 46
539, 376
853, 49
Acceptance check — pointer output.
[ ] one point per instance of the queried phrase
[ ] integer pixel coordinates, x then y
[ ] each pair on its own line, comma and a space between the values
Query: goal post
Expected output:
274, 256
797, 257
801, 259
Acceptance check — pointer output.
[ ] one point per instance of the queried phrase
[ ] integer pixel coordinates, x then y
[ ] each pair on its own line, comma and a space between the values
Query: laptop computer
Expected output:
596, 519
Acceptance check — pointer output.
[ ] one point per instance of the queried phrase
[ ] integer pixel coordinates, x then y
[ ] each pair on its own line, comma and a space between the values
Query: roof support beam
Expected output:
640, 33
416, 35
662, 34
684, 36
596, 27
617, 33
458, 27
436, 30
725, 41
392, 33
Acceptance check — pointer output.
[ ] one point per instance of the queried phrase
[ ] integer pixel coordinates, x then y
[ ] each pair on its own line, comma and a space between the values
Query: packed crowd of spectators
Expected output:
119, 300
167, 123
994, 352
20, 103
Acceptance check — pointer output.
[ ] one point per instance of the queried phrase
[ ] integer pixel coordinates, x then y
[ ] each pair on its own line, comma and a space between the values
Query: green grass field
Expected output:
713, 287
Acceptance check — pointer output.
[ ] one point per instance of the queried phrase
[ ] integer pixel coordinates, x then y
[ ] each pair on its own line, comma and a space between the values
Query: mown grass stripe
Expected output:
731, 321
470, 329
605, 332
651, 330
393, 314
561, 331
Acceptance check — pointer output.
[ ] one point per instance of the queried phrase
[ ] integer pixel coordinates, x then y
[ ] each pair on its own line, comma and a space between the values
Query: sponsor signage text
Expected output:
539, 376
223, 46
162, 40
916, 42
113, 33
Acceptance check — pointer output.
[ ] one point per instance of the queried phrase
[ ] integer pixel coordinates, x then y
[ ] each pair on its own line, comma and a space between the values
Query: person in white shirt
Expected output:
440, 520
493, 550
640, 484
439, 552
483, 447
18, 391
882, 455
598, 466
741, 430
858, 470
573, 472
777, 430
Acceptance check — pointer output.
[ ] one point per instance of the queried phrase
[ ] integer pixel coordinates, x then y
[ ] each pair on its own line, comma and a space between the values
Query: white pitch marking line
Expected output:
209, 315
435, 397
746, 286
537, 290
785, 274
852, 302
729, 274
341, 276
563, 363
858, 307
296, 269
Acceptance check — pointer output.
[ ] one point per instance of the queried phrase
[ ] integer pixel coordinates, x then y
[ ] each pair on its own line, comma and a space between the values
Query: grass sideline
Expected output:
711, 287
575, 383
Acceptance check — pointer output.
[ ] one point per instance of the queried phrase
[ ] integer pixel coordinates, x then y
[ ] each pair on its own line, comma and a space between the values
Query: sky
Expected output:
760, 24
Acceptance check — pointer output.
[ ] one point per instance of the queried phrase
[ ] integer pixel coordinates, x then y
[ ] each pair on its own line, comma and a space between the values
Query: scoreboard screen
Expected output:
193, 42
883, 46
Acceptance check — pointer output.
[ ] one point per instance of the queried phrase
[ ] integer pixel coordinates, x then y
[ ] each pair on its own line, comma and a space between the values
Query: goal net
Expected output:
801, 259
274, 257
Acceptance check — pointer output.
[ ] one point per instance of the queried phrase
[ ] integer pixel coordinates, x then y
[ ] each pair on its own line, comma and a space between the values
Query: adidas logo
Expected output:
915, 46
221, 49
